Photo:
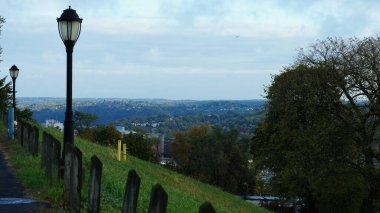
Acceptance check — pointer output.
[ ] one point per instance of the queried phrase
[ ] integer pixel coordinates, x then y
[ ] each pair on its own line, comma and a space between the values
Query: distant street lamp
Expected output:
69, 27
13, 71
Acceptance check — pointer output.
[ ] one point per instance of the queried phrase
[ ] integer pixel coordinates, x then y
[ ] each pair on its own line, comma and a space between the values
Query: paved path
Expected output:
12, 193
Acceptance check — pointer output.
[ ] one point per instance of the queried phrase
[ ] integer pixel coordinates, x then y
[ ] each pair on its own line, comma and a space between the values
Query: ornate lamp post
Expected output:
13, 71
69, 26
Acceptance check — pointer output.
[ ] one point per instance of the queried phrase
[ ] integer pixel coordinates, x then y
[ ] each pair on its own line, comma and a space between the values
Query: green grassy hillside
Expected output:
185, 194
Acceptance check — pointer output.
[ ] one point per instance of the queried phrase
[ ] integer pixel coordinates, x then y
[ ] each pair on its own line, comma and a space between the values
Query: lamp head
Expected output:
69, 26
13, 71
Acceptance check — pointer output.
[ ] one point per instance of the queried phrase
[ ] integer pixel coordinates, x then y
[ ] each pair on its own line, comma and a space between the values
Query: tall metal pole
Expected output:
68, 133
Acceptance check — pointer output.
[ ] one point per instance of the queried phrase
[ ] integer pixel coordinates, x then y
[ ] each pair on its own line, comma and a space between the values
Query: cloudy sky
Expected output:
173, 49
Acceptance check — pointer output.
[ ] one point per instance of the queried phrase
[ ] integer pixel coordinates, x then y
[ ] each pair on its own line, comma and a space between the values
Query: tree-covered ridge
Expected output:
162, 116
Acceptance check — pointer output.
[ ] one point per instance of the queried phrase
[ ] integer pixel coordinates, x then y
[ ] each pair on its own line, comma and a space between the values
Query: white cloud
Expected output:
130, 26
188, 43
154, 53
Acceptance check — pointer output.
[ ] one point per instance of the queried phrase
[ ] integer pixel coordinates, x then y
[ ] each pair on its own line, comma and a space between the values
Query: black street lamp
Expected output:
69, 27
13, 71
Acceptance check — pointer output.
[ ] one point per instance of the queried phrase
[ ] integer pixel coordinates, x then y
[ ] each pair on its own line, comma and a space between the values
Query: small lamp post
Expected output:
69, 27
13, 71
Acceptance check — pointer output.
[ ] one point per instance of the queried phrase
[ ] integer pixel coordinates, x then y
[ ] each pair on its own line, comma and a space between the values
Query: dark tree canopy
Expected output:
319, 134
216, 157
84, 120
140, 146
103, 135
25, 115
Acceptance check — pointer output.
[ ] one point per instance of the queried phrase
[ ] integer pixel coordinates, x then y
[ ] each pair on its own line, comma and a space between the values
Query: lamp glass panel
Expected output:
15, 74
63, 30
75, 29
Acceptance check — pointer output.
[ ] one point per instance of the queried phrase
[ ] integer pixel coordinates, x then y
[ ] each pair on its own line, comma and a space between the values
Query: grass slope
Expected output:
185, 194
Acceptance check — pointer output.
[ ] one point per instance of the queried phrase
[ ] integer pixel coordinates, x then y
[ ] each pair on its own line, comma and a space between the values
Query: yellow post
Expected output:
125, 151
119, 150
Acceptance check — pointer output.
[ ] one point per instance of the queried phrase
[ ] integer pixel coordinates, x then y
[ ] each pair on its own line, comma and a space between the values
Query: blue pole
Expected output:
11, 123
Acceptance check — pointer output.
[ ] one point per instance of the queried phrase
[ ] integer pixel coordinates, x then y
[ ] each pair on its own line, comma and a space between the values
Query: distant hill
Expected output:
158, 115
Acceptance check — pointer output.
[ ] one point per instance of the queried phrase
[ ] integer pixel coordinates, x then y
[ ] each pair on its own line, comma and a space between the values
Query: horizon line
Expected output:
165, 99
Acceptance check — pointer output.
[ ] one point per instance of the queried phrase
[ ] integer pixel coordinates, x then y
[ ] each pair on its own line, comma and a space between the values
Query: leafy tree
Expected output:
83, 120
24, 114
5, 94
322, 115
216, 157
103, 135
141, 147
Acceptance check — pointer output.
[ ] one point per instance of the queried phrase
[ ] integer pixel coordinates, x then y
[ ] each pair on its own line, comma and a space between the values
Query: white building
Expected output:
54, 124
123, 131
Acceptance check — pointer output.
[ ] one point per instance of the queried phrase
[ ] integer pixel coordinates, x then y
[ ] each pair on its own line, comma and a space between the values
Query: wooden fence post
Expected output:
21, 129
132, 188
30, 138
76, 181
94, 185
25, 135
55, 160
49, 157
44, 150
67, 173
119, 150
125, 151
206, 207
35, 141
158, 200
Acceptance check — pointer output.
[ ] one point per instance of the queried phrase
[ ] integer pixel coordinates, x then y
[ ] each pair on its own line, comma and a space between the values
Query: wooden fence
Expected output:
51, 157
72, 170
28, 137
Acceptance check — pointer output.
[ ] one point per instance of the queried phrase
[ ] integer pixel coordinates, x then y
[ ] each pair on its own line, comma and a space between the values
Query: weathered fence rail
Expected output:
95, 185
28, 137
51, 163
51, 157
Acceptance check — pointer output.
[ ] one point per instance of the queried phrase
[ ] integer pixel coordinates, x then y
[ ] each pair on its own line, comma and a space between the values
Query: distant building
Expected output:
54, 124
166, 152
167, 149
123, 131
